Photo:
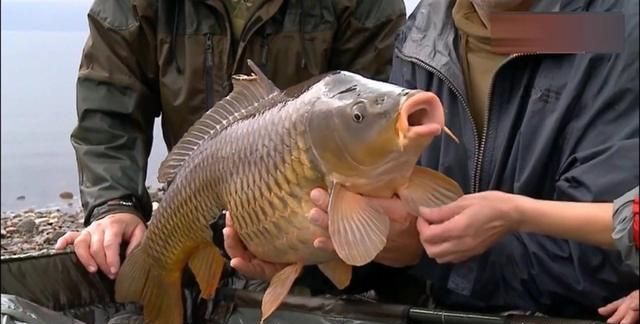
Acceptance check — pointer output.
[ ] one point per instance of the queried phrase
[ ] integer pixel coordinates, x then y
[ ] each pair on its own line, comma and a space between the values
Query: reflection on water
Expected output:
38, 113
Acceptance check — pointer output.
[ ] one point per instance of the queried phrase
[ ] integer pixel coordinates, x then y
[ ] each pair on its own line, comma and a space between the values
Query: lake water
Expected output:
42, 42
38, 114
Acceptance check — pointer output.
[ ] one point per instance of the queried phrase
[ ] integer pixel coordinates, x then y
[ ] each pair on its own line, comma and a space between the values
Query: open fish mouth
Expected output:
421, 116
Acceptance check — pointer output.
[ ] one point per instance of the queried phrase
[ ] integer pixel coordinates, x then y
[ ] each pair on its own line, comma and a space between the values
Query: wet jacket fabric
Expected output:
562, 126
150, 58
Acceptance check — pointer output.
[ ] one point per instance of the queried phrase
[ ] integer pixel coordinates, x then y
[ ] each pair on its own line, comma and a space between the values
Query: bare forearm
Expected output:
585, 222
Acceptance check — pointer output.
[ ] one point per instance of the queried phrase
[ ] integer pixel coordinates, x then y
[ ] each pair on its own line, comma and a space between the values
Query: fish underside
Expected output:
258, 153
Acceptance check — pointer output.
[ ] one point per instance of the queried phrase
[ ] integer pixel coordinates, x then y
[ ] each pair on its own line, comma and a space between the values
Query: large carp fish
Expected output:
258, 153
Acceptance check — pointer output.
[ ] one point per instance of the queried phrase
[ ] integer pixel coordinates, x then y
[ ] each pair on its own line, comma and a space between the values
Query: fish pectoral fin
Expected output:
338, 272
278, 289
207, 265
159, 292
357, 228
429, 188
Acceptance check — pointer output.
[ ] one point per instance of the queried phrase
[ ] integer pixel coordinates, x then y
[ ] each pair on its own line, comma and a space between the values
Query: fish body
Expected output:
258, 153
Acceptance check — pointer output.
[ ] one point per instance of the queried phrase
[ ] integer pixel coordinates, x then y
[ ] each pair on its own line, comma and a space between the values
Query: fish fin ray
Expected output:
429, 188
338, 272
278, 289
207, 265
250, 96
358, 229
159, 293
268, 84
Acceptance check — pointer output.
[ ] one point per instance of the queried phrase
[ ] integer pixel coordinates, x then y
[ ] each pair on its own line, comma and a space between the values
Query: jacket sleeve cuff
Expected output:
113, 207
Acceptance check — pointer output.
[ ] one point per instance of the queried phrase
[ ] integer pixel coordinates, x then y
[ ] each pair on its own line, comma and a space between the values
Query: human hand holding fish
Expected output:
468, 226
98, 245
403, 245
242, 259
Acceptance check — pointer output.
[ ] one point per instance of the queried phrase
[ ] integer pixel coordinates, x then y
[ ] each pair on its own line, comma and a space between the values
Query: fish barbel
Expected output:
258, 153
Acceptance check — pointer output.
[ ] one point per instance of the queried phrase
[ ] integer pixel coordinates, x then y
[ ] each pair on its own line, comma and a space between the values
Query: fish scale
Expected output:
260, 173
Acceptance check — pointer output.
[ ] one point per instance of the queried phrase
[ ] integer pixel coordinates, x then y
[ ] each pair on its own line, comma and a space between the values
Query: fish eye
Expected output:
358, 114
358, 117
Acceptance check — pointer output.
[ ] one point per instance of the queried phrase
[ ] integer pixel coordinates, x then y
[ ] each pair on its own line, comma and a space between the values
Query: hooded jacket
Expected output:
559, 126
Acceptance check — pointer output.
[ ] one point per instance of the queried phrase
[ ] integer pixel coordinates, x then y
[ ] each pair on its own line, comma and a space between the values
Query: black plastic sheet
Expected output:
55, 288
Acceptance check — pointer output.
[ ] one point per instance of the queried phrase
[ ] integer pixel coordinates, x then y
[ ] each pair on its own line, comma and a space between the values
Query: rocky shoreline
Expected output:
37, 230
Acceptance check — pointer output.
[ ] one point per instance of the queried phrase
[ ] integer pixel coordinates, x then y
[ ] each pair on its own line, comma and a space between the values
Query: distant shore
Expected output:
37, 230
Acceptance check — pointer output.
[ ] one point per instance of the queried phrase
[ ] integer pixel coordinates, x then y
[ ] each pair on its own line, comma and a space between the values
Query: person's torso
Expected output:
534, 103
540, 108
197, 52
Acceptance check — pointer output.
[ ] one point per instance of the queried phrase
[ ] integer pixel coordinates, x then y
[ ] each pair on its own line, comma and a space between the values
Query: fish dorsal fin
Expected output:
266, 82
247, 99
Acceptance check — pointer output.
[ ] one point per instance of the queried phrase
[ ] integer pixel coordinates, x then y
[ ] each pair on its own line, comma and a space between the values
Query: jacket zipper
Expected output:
243, 43
264, 44
458, 94
480, 142
485, 124
209, 70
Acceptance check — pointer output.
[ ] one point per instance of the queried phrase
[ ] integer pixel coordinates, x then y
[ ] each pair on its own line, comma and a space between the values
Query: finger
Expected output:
319, 218
112, 240
441, 214
443, 232
66, 240
422, 226
394, 208
635, 301
436, 233
323, 243
455, 258
97, 249
246, 268
136, 237
81, 247
232, 244
632, 317
610, 308
442, 250
320, 198
618, 315
227, 219
265, 270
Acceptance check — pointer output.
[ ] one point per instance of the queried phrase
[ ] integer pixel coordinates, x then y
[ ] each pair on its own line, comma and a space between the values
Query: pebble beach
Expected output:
37, 230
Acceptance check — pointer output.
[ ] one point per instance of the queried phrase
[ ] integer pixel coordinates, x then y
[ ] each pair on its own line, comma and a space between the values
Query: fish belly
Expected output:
286, 239
269, 169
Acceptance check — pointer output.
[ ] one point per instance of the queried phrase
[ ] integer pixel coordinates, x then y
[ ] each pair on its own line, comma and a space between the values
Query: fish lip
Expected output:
407, 133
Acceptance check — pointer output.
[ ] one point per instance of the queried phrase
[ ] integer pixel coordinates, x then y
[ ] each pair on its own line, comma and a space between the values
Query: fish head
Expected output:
364, 128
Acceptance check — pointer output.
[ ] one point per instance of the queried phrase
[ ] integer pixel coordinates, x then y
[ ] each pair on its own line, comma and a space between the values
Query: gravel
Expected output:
34, 231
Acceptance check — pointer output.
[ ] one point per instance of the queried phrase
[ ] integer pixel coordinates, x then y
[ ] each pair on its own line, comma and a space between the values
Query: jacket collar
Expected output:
431, 36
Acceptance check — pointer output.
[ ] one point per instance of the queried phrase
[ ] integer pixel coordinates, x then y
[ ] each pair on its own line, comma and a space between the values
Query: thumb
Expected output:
441, 214
136, 237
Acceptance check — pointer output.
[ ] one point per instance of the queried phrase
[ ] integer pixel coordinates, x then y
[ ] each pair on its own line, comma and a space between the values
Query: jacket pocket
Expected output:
292, 57
208, 70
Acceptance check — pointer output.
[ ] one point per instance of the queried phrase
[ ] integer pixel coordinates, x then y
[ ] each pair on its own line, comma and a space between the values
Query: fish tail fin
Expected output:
158, 291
